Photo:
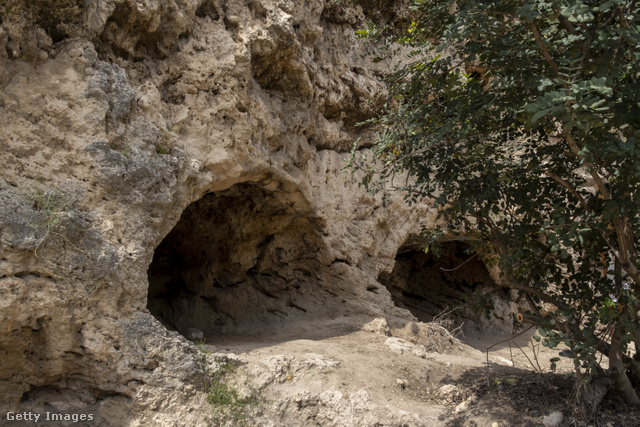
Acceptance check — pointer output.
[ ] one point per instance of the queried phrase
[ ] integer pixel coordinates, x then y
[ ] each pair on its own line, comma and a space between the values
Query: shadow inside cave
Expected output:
453, 280
248, 264
237, 261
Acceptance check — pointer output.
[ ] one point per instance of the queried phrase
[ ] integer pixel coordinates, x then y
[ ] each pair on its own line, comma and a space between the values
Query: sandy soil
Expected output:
325, 375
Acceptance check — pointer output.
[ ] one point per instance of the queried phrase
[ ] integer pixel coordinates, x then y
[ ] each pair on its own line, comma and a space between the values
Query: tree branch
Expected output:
566, 185
629, 267
545, 51
508, 282
571, 29
620, 378
600, 186
567, 136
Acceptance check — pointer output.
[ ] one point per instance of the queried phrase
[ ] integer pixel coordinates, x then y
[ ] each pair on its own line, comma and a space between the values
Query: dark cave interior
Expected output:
235, 257
428, 284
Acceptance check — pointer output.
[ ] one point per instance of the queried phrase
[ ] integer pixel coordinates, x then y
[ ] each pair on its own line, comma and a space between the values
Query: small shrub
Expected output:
202, 348
125, 151
54, 208
165, 141
446, 320
230, 407
54, 204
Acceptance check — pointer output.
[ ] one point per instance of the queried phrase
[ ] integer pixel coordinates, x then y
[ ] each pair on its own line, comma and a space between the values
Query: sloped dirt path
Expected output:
327, 377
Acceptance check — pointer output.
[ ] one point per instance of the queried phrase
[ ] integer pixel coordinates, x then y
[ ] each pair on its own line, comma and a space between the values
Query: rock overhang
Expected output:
146, 125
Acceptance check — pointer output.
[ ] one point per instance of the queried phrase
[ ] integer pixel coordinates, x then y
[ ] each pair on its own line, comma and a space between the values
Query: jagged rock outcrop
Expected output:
169, 164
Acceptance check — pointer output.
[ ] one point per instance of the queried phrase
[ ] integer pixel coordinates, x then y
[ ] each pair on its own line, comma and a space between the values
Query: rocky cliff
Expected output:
171, 164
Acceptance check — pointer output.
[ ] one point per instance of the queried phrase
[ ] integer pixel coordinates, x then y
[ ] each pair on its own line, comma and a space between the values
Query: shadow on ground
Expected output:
519, 397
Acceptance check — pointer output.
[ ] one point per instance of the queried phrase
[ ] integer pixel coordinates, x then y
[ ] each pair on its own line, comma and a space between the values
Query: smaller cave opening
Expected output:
239, 261
452, 278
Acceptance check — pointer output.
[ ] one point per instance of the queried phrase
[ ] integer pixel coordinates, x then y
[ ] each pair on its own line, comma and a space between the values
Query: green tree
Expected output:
520, 121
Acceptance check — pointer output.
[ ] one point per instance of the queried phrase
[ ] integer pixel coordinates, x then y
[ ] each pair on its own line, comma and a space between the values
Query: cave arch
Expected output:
453, 277
237, 261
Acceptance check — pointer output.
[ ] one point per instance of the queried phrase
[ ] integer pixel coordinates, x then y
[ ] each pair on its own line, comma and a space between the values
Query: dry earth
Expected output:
325, 375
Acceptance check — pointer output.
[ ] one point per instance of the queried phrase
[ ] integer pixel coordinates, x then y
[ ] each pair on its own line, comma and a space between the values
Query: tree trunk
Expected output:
595, 392
620, 379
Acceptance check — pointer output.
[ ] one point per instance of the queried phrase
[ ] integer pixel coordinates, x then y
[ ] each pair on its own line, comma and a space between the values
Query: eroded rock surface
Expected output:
177, 164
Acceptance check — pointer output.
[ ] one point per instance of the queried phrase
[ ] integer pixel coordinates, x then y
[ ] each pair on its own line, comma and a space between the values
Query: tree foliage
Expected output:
520, 121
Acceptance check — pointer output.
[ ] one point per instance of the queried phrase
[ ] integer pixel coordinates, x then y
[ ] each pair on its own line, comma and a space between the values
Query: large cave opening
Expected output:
431, 283
238, 261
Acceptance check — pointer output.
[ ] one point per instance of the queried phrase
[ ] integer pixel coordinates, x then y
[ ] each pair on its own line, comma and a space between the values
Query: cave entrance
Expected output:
237, 261
428, 284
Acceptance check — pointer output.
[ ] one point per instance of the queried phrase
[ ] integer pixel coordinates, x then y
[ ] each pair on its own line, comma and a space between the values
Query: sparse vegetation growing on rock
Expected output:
54, 205
230, 405
165, 141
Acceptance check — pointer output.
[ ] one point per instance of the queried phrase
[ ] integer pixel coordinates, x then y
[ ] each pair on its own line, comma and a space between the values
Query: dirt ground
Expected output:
324, 375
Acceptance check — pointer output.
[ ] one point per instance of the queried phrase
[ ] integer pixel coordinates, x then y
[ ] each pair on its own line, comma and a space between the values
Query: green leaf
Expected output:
537, 116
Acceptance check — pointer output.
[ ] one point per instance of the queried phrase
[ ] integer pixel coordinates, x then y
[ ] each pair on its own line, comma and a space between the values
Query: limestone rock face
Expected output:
177, 164
172, 169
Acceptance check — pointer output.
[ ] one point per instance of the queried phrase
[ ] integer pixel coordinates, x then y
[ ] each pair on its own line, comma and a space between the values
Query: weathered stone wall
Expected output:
117, 115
